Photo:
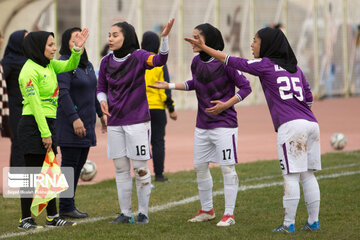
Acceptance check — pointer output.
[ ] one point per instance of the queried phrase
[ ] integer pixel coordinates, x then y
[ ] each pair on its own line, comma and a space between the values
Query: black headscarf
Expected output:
13, 52
65, 50
34, 47
275, 46
213, 39
130, 43
150, 42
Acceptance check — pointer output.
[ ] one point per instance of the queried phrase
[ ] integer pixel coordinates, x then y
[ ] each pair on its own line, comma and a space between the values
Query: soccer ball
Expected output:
88, 171
338, 141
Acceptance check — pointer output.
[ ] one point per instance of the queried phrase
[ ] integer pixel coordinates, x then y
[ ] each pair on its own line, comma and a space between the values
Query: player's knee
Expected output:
305, 176
142, 173
122, 164
310, 187
202, 171
291, 186
230, 175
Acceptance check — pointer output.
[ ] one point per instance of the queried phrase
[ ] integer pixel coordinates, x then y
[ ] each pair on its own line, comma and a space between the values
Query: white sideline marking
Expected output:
181, 202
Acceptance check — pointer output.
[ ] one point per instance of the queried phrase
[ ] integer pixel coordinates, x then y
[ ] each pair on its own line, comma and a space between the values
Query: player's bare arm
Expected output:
212, 52
165, 85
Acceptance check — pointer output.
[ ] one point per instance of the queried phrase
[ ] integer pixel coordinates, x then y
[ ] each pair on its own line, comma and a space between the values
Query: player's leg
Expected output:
291, 146
143, 188
225, 140
203, 152
117, 151
308, 180
138, 150
312, 199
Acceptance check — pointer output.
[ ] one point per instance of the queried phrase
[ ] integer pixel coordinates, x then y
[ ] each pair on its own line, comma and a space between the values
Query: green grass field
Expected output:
258, 209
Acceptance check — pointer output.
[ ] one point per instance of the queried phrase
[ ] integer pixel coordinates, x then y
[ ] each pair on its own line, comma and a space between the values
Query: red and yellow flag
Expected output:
52, 183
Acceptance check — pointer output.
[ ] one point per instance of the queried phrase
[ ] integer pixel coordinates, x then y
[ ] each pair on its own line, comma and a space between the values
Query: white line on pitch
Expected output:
181, 202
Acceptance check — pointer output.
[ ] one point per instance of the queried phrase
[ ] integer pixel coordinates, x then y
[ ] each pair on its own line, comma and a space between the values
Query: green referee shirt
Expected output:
40, 90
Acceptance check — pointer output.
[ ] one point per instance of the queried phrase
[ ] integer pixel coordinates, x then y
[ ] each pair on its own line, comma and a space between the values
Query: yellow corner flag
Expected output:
50, 182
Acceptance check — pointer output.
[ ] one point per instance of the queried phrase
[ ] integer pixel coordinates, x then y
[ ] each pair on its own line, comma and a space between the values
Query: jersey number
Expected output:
224, 153
140, 150
284, 90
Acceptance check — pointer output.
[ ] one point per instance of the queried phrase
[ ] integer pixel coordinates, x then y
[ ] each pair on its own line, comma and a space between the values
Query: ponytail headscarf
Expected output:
275, 46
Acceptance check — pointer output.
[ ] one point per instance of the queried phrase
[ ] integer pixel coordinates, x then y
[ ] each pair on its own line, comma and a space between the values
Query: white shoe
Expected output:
203, 216
226, 221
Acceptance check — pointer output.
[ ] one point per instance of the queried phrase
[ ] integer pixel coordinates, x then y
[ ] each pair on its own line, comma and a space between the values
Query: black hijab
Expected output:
65, 50
150, 42
13, 52
275, 46
213, 39
34, 47
130, 43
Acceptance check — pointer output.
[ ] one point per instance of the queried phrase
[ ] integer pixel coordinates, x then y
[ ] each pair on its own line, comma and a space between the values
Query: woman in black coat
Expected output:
76, 117
12, 63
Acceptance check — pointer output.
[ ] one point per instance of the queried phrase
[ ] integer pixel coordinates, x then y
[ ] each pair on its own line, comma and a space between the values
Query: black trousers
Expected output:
75, 158
36, 160
158, 123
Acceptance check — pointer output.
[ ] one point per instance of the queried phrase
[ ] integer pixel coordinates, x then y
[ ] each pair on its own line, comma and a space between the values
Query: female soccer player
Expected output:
289, 100
122, 95
216, 132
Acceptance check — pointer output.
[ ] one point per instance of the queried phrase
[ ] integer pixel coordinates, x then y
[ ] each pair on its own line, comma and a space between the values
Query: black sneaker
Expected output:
161, 178
123, 219
28, 223
74, 214
58, 222
142, 219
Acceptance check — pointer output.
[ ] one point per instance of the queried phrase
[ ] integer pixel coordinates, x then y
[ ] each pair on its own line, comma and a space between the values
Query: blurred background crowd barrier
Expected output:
324, 34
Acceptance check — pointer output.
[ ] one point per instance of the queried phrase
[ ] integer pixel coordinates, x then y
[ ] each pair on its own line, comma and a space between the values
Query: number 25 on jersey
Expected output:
290, 89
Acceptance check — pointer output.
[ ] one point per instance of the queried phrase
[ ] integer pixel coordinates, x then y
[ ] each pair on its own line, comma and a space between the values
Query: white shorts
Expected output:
132, 141
298, 146
217, 145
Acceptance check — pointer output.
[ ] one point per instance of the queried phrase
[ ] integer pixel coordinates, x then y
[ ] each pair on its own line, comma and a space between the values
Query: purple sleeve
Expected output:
189, 85
102, 86
306, 86
253, 67
240, 82
160, 59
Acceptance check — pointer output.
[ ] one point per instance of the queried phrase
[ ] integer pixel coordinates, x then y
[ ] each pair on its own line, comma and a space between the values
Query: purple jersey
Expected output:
287, 94
213, 80
122, 80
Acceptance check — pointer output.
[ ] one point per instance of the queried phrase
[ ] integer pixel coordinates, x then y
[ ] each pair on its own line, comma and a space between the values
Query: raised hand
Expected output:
160, 85
80, 37
168, 27
197, 42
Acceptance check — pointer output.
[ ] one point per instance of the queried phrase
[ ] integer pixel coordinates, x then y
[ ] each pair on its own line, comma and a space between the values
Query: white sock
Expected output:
124, 189
143, 185
205, 194
312, 195
231, 185
291, 197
